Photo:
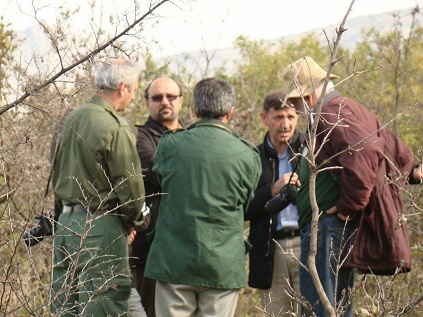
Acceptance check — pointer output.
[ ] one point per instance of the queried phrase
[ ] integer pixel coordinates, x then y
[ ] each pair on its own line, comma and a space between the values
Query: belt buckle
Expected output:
73, 208
288, 233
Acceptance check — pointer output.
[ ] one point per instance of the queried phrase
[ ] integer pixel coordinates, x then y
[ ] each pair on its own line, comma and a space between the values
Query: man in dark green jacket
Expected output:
97, 181
208, 175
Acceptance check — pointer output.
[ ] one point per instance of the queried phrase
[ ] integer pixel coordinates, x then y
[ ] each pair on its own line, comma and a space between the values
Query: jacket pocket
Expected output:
116, 288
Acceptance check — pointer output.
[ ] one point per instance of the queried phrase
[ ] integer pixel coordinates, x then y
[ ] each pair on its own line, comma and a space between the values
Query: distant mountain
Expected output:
350, 38
195, 61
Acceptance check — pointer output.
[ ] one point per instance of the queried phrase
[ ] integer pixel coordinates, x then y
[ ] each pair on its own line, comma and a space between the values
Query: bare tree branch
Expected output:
80, 61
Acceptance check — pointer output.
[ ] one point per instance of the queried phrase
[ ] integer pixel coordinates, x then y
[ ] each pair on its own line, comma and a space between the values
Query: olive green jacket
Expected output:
208, 175
97, 164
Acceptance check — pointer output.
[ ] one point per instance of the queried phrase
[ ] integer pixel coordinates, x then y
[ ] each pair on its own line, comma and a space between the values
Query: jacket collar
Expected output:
332, 95
328, 97
157, 127
214, 123
296, 142
104, 103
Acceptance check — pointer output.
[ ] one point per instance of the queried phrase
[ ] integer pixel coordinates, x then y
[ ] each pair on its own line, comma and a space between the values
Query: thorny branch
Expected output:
80, 61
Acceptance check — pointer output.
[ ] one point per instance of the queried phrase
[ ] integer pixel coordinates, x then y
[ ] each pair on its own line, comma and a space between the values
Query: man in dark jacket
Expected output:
272, 269
369, 167
164, 100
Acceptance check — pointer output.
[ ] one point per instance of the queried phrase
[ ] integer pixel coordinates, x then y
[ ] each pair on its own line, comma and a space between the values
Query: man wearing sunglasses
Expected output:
164, 100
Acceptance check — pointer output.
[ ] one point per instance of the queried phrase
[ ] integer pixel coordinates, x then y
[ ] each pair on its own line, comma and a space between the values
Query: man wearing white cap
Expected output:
359, 200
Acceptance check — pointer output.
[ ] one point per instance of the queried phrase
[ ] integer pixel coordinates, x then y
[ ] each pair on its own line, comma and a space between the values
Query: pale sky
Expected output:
193, 25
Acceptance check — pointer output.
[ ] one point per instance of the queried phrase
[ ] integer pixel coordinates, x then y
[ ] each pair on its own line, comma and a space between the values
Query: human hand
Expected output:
334, 210
131, 235
283, 180
418, 172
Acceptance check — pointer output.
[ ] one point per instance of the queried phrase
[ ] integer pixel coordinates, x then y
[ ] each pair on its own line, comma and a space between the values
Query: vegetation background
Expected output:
383, 71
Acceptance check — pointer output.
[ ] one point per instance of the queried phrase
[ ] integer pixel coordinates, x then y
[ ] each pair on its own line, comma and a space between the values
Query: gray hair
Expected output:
114, 72
213, 98
318, 90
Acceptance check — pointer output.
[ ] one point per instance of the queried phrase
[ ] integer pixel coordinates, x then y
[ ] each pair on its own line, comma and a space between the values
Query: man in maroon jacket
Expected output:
359, 197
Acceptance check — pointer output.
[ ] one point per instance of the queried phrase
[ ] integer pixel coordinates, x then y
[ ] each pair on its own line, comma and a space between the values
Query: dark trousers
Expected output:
333, 242
146, 287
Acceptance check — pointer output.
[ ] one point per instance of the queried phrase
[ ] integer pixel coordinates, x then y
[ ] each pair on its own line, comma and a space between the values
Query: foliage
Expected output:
26, 131
259, 71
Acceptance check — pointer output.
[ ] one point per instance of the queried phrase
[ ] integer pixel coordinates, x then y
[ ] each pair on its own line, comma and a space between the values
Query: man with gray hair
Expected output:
208, 175
358, 195
97, 183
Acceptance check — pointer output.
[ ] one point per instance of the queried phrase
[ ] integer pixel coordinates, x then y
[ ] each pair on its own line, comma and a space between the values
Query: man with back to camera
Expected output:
208, 175
272, 270
97, 181
361, 199
164, 101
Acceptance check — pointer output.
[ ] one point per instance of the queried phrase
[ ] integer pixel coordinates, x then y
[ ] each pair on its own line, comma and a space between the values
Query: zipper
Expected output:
269, 241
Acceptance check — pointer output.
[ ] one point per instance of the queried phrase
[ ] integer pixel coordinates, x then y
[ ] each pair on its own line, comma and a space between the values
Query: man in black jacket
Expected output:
164, 100
272, 269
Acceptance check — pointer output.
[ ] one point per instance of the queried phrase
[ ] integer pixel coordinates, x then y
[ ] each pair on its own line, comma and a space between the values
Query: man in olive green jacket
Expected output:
97, 181
208, 176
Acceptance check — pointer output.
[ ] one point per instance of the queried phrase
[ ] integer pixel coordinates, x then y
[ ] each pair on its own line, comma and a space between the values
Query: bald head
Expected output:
164, 101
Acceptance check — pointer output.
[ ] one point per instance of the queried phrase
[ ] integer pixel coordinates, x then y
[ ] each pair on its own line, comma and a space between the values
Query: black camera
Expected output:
287, 195
37, 233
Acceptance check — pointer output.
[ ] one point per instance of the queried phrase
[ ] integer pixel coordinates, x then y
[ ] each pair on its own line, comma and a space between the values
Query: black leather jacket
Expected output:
262, 224
148, 137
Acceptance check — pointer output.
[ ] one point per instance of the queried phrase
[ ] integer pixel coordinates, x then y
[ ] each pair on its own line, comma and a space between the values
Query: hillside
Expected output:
194, 61
353, 35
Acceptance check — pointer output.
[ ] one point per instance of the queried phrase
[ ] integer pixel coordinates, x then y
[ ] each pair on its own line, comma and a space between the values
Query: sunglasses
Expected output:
158, 98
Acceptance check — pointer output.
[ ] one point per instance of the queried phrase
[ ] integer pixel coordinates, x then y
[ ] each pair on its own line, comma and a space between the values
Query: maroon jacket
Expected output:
370, 180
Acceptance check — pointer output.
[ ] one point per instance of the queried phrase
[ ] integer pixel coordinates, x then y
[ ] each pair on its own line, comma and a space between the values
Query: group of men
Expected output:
200, 184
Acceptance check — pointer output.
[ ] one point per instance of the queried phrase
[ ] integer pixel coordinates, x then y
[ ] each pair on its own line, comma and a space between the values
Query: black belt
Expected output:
286, 233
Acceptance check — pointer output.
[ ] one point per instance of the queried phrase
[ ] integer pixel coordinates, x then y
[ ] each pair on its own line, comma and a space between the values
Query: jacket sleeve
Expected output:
146, 148
126, 177
256, 209
253, 177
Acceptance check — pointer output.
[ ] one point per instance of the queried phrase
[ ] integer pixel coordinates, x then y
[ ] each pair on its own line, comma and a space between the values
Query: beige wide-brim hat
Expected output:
302, 77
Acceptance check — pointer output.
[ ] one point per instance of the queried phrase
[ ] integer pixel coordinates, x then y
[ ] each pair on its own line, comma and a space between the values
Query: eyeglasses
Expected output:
158, 98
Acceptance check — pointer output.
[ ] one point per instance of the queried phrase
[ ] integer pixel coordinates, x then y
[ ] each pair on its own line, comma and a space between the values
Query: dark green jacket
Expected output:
97, 164
208, 175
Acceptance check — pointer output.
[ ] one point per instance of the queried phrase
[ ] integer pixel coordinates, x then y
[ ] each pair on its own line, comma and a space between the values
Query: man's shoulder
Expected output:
90, 110
172, 133
250, 145
173, 137
147, 132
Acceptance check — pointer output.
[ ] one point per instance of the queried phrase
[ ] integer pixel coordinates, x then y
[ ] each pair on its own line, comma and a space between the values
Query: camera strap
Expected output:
294, 169
304, 153
56, 135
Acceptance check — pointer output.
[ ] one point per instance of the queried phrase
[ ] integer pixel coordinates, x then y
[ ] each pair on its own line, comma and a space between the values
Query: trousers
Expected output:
275, 300
91, 274
335, 237
146, 287
179, 300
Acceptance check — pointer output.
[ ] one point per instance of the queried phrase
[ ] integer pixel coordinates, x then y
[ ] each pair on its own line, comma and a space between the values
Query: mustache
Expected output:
166, 107
283, 130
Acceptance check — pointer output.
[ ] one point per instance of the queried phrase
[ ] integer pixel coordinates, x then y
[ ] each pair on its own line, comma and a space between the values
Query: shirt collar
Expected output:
280, 156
